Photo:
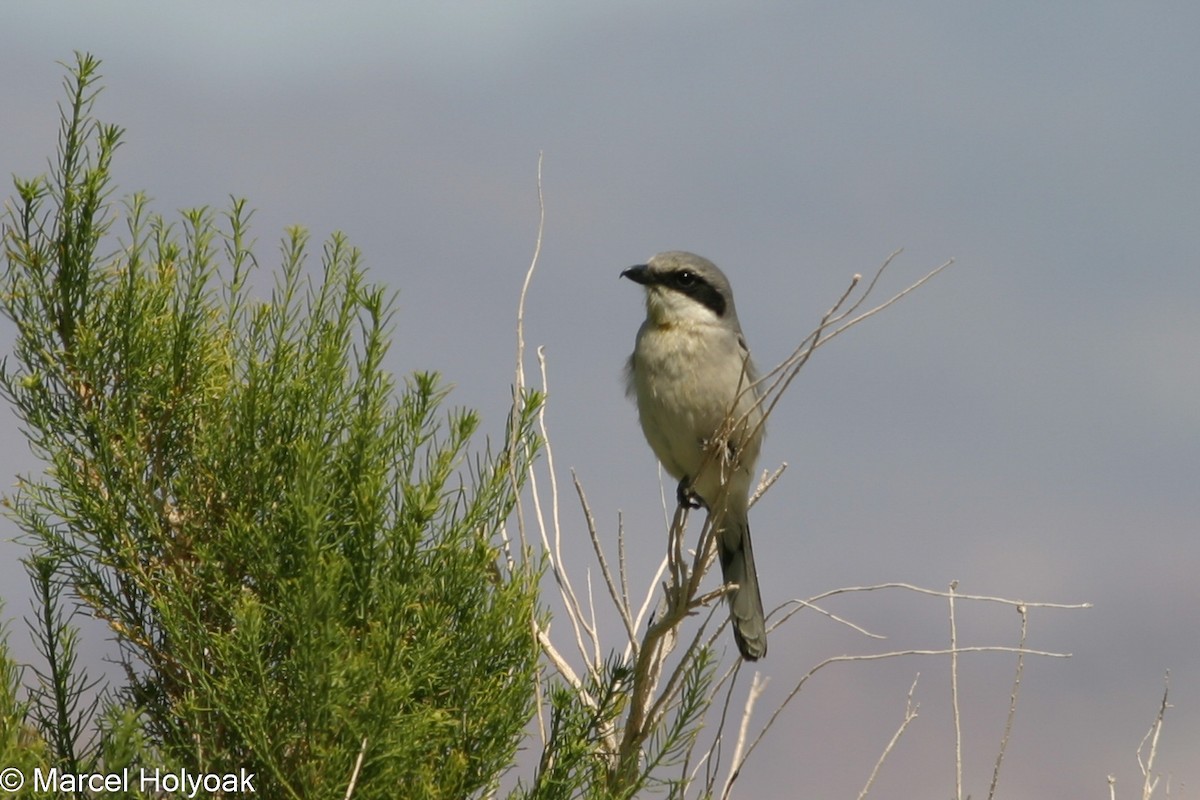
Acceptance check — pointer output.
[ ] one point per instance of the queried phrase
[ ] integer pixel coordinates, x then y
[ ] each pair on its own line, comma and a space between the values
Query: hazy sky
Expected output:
1027, 424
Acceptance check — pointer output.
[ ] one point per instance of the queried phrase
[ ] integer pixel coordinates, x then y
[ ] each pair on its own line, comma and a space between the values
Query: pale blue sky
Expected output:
1028, 424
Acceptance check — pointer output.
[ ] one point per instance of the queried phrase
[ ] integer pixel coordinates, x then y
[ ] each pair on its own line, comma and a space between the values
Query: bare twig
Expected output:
619, 600
758, 685
657, 643
562, 665
781, 376
1149, 779
670, 692
537, 252
798, 605
675, 562
766, 482
878, 657
514, 420
894, 298
621, 560
910, 713
887, 262
936, 593
954, 695
519, 377
832, 324
553, 551
714, 750
648, 602
362, 751
1012, 702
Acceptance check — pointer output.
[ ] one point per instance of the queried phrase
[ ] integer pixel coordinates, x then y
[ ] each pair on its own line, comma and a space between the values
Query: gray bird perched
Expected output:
691, 375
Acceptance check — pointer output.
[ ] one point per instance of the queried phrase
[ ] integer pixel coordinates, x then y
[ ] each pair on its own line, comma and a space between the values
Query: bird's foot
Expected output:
686, 497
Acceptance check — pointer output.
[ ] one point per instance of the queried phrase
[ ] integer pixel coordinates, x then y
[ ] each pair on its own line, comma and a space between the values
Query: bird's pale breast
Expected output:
686, 378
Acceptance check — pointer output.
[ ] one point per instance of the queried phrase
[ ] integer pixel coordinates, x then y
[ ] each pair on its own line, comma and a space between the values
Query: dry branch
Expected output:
656, 671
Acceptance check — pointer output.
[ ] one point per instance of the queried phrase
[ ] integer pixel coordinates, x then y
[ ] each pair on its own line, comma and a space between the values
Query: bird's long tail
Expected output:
745, 604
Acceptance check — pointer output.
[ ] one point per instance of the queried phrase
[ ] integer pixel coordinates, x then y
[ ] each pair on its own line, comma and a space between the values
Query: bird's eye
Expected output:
685, 278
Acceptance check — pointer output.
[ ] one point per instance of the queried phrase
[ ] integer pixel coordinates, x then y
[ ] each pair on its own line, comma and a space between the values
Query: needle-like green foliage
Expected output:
297, 558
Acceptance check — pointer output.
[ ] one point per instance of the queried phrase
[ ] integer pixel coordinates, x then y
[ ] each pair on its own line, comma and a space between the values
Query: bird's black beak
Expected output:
639, 274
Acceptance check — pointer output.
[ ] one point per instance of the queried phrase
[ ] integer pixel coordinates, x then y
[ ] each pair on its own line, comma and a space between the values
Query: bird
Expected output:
691, 376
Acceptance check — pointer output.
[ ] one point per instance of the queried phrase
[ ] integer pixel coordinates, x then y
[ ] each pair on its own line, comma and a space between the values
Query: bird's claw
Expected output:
686, 496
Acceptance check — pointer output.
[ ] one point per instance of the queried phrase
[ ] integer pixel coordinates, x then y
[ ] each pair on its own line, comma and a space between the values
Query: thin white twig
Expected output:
580, 623
887, 262
799, 605
621, 561
781, 376
362, 751
514, 419
644, 611
958, 765
729, 679
666, 698
560, 663
910, 713
937, 593
606, 573
766, 482
1012, 702
554, 551
592, 625
537, 252
893, 299
1149, 779
675, 537
877, 657
519, 377
758, 685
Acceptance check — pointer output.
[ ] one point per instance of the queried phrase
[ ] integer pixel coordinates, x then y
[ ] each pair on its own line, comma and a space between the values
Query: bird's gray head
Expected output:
684, 288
